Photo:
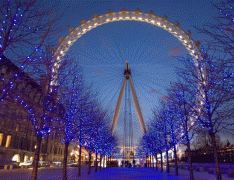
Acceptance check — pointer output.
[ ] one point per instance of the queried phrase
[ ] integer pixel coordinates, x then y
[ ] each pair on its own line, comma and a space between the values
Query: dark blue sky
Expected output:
150, 50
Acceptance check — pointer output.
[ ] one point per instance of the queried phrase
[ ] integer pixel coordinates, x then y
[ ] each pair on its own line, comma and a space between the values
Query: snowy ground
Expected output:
108, 174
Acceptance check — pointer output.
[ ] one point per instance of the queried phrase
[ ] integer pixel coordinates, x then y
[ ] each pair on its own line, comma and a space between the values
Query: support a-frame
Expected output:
127, 76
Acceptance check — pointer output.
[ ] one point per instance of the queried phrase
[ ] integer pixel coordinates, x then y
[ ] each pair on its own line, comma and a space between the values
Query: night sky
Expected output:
150, 50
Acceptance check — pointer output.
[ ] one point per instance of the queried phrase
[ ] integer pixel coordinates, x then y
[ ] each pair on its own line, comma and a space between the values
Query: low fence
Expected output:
208, 167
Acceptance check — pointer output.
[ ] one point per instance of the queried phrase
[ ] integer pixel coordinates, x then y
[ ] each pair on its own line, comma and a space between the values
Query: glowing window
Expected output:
1, 137
8, 141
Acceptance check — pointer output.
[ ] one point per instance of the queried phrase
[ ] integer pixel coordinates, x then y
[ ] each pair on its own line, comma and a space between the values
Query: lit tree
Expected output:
174, 127
84, 105
101, 130
102, 144
25, 25
72, 93
41, 117
147, 144
221, 30
110, 143
164, 127
44, 124
47, 119
93, 113
158, 132
143, 147
184, 104
152, 142
214, 78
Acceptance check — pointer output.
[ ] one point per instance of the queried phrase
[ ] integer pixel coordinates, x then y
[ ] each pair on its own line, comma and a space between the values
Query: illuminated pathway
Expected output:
108, 174
148, 174
129, 173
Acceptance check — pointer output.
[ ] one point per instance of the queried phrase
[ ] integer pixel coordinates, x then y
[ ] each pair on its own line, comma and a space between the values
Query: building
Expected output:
21, 100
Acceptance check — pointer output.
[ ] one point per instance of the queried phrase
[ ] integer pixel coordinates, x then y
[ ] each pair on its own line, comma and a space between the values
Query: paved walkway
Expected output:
149, 174
108, 174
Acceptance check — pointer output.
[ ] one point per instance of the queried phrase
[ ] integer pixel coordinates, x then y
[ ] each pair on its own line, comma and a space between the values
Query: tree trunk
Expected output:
100, 167
161, 163
96, 164
168, 167
153, 160
110, 162
190, 161
150, 161
36, 157
65, 161
147, 161
89, 166
176, 164
156, 161
107, 162
216, 160
79, 163
104, 159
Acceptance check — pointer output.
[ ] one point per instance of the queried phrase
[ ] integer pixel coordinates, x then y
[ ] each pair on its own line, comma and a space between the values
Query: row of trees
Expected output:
81, 121
202, 98
26, 31
87, 123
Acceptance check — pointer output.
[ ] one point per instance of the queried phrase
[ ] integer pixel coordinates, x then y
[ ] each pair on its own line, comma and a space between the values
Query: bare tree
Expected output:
25, 25
221, 30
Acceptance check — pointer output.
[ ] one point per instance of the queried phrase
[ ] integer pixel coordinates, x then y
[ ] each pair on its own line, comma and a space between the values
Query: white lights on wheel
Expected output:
116, 16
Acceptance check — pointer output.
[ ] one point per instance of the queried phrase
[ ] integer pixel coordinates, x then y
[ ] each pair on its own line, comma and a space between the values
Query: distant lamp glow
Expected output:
16, 158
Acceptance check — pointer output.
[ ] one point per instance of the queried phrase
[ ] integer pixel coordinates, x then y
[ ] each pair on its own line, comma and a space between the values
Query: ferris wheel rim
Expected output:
123, 15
